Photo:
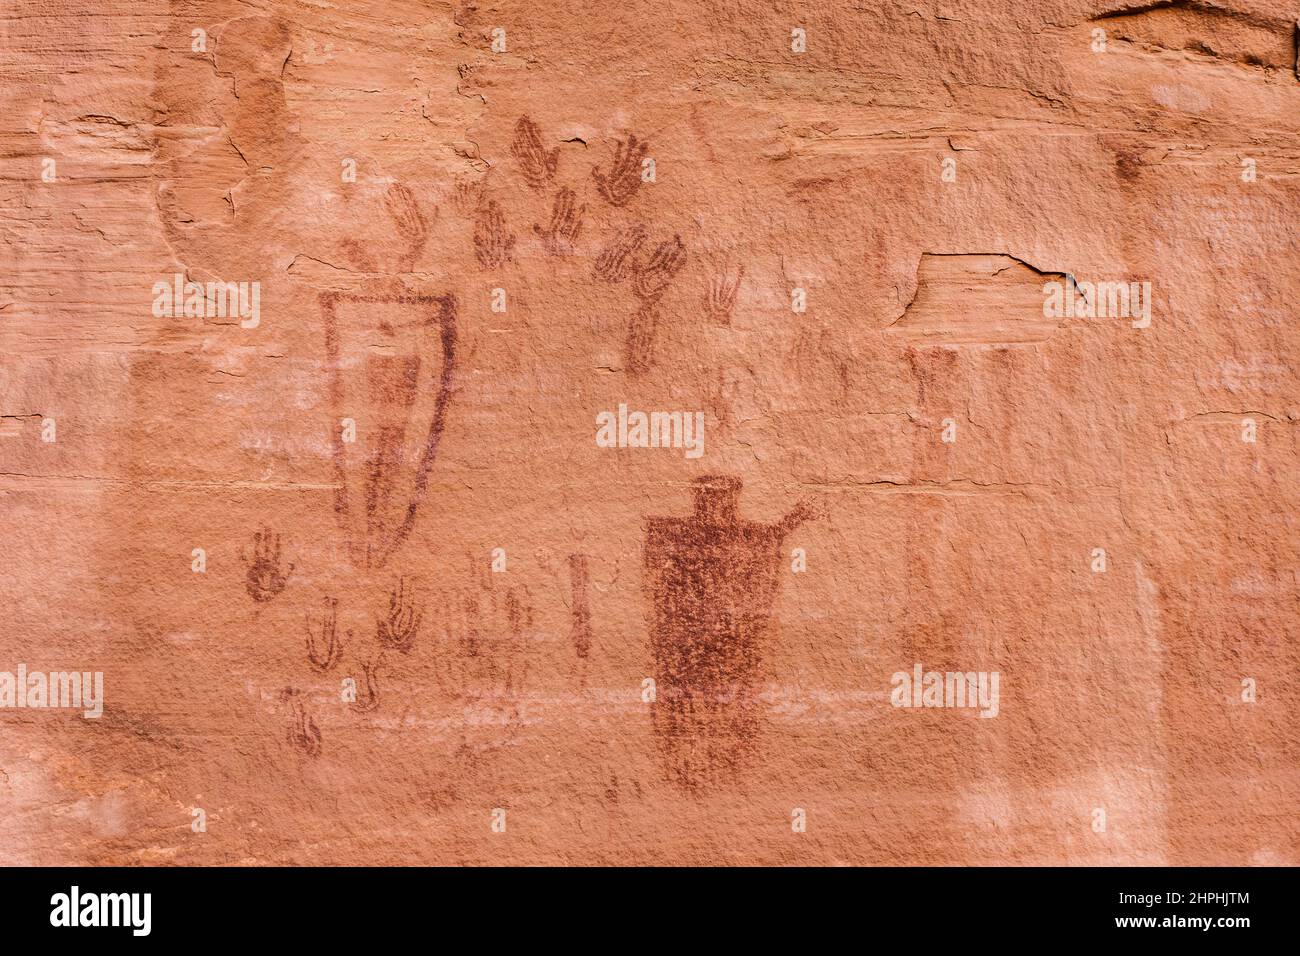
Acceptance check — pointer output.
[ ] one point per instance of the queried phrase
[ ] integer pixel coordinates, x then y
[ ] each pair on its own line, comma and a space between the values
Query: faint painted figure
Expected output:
711, 580
486, 626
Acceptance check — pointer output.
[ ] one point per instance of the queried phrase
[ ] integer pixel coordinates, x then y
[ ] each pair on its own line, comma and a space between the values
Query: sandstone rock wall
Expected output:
363, 581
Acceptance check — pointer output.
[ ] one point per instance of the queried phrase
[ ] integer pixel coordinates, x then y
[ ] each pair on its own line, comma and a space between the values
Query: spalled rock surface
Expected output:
362, 578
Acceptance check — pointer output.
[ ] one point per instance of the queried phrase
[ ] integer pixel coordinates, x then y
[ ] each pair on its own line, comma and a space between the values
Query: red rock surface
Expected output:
920, 171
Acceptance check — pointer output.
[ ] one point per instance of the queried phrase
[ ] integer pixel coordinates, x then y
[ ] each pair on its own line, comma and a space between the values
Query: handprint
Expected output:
493, 243
466, 196
721, 299
565, 225
304, 735
624, 177
537, 164
617, 261
399, 630
324, 659
370, 670
359, 255
409, 227
265, 579
404, 210
638, 347
652, 279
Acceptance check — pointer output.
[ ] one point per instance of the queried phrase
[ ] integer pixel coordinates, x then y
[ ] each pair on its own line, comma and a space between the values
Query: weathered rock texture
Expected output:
225, 156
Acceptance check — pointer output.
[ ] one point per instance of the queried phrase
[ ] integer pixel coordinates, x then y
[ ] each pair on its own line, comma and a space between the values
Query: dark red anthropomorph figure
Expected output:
711, 579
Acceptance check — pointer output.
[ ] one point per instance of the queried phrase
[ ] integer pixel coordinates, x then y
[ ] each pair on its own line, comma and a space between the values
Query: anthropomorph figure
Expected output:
711, 579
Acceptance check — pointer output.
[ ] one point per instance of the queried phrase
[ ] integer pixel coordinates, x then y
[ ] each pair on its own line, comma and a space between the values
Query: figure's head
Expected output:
717, 498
